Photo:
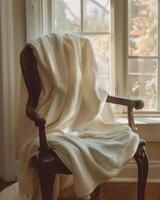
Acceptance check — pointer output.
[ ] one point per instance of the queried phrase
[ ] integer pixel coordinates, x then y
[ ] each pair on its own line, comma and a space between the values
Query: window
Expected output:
144, 52
125, 35
92, 19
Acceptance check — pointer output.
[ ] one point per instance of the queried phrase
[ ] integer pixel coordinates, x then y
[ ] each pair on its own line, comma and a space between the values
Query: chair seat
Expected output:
50, 161
53, 162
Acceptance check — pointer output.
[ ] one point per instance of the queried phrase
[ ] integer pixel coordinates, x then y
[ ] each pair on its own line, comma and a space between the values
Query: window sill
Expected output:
140, 120
148, 127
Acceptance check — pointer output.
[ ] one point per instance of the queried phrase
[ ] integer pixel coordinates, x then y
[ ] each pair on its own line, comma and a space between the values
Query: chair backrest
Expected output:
31, 76
34, 87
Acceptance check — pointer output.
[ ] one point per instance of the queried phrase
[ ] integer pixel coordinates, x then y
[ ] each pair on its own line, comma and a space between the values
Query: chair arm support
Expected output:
34, 116
39, 122
130, 103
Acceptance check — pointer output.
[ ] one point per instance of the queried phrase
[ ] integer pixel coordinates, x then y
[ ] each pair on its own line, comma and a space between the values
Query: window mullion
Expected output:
143, 57
121, 43
53, 14
119, 46
125, 45
82, 16
96, 33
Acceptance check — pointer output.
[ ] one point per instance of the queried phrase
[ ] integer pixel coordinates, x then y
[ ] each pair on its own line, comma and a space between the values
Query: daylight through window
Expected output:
92, 19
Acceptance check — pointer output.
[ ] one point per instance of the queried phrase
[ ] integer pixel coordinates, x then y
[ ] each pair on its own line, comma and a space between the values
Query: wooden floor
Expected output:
127, 191
117, 191
124, 191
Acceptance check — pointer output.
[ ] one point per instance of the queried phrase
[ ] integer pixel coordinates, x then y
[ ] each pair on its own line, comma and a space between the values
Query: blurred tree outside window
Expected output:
143, 52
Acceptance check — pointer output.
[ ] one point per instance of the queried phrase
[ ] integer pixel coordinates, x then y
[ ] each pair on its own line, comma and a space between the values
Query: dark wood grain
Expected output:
123, 191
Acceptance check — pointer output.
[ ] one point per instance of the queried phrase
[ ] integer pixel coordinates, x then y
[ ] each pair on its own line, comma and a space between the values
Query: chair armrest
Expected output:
34, 116
130, 103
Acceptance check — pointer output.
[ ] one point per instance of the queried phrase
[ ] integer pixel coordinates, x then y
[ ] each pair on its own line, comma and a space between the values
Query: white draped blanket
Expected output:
72, 101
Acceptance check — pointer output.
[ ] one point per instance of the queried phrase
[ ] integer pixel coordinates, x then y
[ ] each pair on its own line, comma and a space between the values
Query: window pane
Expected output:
96, 15
143, 27
142, 81
67, 15
101, 46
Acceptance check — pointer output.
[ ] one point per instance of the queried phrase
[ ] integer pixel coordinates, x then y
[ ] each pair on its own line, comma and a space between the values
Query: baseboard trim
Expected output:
129, 173
132, 180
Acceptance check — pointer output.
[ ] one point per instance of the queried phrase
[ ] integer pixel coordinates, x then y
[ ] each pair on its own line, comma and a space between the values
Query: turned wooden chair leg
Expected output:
46, 177
142, 163
95, 194
46, 181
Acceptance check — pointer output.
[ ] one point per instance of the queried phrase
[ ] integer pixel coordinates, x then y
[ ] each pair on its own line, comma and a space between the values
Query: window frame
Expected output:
119, 10
120, 54
127, 56
39, 24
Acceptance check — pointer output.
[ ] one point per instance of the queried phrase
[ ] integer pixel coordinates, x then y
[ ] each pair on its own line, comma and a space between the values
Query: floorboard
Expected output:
115, 191
124, 191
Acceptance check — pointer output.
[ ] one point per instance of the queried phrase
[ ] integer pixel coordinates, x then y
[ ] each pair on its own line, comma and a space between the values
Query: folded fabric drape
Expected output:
73, 101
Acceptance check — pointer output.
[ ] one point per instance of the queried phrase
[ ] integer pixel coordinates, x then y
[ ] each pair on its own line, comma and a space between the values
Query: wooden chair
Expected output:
47, 162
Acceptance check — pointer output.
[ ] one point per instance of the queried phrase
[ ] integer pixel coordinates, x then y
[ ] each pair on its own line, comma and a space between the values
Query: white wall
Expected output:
19, 42
12, 39
19, 34
1, 144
